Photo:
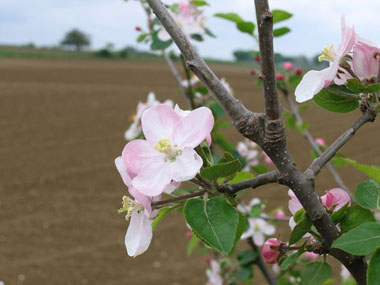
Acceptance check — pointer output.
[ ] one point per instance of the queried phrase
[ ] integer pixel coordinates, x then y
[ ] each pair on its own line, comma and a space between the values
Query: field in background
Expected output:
62, 124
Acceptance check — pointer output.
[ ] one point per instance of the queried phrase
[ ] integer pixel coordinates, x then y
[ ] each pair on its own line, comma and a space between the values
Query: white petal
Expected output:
139, 234
186, 166
312, 82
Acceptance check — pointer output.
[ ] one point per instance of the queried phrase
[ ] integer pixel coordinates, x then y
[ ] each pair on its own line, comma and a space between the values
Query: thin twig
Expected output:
265, 27
311, 141
261, 264
317, 165
190, 94
233, 107
179, 198
262, 179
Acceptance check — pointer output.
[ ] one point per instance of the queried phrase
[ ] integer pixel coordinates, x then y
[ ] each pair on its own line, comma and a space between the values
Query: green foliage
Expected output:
76, 38
368, 195
337, 216
214, 221
259, 169
193, 242
161, 214
157, 44
373, 272
243, 26
355, 85
371, 171
337, 99
246, 27
141, 37
355, 216
200, 3
361, 240
300, 229
280, 31
225, 168
240, 176
288, 262
197, 37
205, 152
201, 89
280, 15
233, 17
316, 273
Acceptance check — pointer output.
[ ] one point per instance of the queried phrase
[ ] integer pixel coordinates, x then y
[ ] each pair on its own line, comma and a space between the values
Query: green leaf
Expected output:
192, 244
205, 152
259, 169
141, 37
283, 281
354, 217
221, 170
240, 176
299, 215
244, 273
300, 230
373, 272
304, 107
217, 110
289, 261
316, 273
368, 195
202, 89
240, 230
210, 33
246, 257
361, 240
200, 3
256, 211
161, 214
246, 27
354, 85
302, 127
338, 215
290, 123
157, 44
215, 221
280, 15
230, 17
371, 171
337, 99
280, 31
197, 37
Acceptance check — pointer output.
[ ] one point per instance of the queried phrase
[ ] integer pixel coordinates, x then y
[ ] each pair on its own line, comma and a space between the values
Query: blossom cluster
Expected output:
363, 64
159, 163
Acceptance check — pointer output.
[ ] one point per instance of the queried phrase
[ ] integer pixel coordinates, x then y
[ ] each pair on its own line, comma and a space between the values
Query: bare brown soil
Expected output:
62, 125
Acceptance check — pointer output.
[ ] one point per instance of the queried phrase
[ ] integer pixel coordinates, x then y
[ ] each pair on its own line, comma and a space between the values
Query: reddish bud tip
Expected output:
208, 260
257, 59
252, 71
137, 28
279, 76
189, 234
299, 71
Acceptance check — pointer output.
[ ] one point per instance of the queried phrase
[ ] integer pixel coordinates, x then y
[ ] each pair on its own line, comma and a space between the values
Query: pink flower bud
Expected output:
299, 71
320, 141
287, 65
208, 260
279, 76
137, 28
279, 214
311, 255
150, 21
252, 71
257, 58
189, 234
269, 253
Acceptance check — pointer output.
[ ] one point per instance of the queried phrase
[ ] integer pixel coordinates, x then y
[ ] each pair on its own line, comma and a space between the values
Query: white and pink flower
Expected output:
167, 155
270, 250
214, 274
258, 229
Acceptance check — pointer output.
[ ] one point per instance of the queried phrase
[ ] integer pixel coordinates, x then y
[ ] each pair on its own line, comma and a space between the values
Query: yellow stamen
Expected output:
163, 145
130, 206
328, 54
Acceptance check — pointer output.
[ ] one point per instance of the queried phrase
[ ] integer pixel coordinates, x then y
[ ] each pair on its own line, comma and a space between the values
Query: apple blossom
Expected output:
287, 65
365, 61
279, 214
298, 71
189, 18
315, 80
168, 153
320, 141
250, 152
135, 128
280, 76
270, 253
213, 274
311, 255
257, 230
245, 209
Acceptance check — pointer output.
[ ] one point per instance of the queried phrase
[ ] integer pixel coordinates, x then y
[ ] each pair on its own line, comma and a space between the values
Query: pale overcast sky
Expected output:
316, 23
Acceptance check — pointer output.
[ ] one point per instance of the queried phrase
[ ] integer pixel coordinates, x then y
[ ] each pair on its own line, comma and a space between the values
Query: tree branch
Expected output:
179, 198
310, 139
265, 27
262, 179
320, 162
233, 107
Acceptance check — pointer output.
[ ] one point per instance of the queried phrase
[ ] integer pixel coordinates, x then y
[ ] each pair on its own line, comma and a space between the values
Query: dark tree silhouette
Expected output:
76, 39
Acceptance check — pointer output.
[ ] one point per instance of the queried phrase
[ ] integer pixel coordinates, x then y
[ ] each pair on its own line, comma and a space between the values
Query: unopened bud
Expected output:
257, 58
189, 234
287, 65
299, 71
280, 76
252, 71
137, 28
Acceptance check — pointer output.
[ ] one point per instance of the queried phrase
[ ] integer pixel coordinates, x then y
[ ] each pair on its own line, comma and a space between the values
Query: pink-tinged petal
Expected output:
269, 254
328, 199
312, 82
196, 127
341, 198
142, 199
258, 238
123, 171
365, 65
152, 180
139, 234
171, 187
279, 214
138, 154
292, 223
294, 203
348, 40
209, 139
158, 122
186, 165
311, 255
268, 229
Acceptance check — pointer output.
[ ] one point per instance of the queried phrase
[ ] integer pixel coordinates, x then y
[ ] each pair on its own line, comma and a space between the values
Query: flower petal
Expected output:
123, 171
139, 234
138, 154
152, 180
159, 122
294, 203
142, 199
312, 82
186, 166
258, 238
196, 127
